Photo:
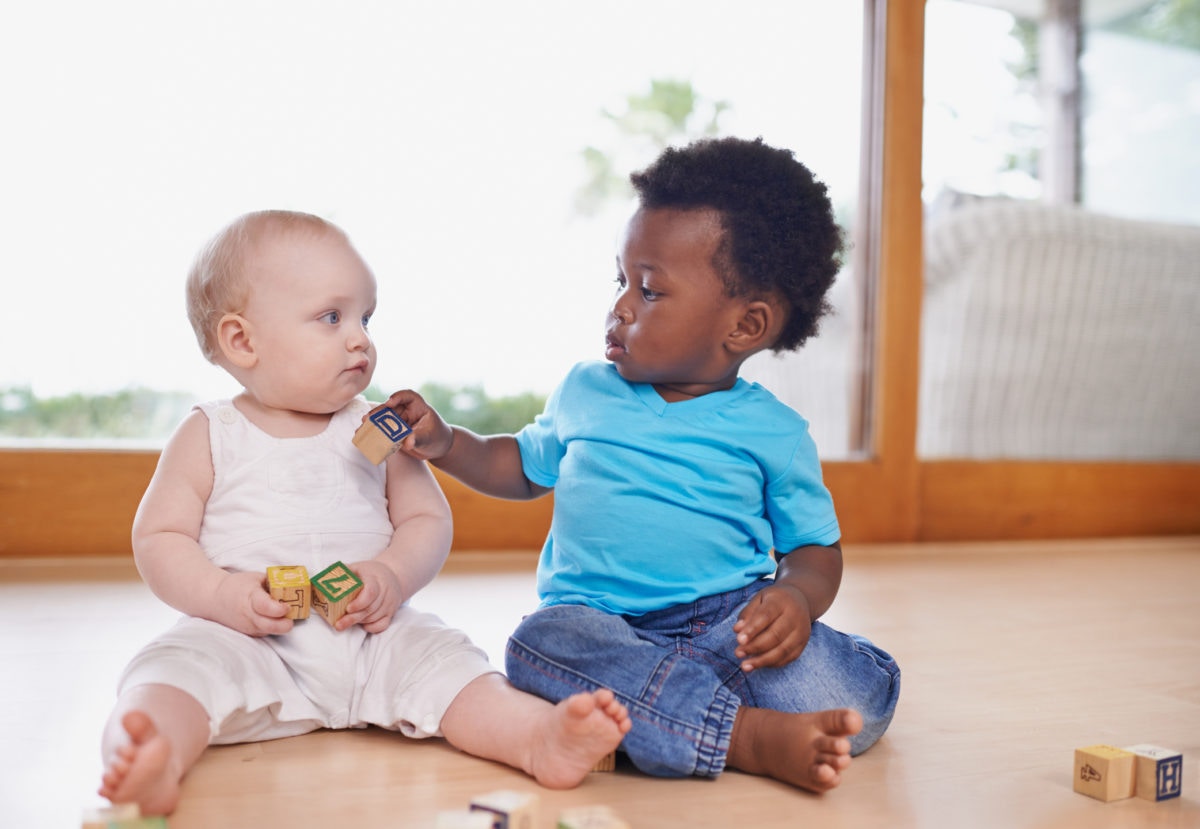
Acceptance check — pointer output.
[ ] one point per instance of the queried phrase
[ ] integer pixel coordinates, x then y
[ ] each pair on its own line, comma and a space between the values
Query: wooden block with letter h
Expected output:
1159, 774
332, 589
290, 585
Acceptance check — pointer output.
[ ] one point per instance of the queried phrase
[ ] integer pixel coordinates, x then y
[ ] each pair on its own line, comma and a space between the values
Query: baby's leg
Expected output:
153, 737
806, 750
555, 744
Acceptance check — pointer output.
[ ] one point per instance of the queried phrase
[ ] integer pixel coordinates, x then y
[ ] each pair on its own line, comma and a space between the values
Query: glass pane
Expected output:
450, 140
1061, 284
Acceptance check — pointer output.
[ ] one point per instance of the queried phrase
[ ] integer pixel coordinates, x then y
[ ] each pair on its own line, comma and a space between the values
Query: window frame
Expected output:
69, 503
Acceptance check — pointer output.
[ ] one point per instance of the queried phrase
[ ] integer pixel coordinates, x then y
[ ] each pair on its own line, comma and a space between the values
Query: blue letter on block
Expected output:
390, 424
1170, 774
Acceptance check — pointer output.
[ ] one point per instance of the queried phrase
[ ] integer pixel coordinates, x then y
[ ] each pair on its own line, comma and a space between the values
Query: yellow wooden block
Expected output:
290, 585
1104, 772
509, 809
332, 589
1159, 774
606, 763
380, 435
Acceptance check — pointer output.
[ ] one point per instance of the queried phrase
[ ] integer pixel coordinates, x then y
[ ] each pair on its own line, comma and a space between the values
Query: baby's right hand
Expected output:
241, 602
431, 436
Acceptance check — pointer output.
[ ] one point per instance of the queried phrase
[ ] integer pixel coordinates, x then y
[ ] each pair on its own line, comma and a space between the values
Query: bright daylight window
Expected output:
474, 151
1062, 230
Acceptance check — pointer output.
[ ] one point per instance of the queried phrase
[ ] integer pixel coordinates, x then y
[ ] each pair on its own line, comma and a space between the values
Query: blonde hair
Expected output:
217, 284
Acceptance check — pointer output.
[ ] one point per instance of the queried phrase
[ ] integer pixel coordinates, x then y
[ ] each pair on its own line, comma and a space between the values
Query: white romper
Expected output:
309, 501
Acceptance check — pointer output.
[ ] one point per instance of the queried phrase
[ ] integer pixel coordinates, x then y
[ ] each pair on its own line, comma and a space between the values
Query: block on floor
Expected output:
1104, 772
1159, 772
509, 809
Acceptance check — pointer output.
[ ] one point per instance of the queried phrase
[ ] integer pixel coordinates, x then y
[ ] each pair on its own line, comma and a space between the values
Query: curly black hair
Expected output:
780, 237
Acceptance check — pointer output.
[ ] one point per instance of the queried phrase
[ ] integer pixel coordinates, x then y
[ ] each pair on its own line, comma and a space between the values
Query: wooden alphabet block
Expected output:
509, 809
1159, 772
590, 817
606, 763
103, 816
1104, 772
290, 585
380, 435
332, 590
463, 820
121, 816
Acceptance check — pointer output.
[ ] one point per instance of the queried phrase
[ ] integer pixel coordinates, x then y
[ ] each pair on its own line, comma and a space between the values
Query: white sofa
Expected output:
1054, 332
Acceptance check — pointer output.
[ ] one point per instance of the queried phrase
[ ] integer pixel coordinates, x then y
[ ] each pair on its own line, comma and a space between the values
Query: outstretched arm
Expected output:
490, 464
774, 627
166, 547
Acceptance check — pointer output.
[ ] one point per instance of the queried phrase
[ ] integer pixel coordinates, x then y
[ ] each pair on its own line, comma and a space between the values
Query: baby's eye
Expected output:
366, 320
649, 295
620, 280
331, 317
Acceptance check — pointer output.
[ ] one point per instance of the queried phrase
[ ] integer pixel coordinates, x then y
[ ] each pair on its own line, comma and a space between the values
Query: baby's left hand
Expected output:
377, 601
774, 627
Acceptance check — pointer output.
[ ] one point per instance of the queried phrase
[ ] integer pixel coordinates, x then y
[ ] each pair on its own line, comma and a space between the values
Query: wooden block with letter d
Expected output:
380, 435
1104, 772
290, 585
332, 589
1159, 774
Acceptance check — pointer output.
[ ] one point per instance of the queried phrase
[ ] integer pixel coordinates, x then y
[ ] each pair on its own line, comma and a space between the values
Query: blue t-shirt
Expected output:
657, 504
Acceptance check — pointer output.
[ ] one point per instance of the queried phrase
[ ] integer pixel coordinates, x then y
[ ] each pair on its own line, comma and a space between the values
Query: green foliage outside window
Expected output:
147, 414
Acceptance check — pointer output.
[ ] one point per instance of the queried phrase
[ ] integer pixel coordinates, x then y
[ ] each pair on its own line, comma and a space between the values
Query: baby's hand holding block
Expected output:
290, 585
380, 434
333, 589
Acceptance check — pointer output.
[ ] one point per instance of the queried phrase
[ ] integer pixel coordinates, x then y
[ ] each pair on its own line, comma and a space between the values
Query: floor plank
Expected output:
1013, 654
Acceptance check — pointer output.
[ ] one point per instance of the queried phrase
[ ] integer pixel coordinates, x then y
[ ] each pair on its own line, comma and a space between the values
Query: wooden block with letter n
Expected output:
1104, 772
290, 585
380, 434
1159, 773
332, 589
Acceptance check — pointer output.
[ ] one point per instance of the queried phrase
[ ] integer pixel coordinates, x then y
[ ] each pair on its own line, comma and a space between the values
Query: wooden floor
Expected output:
1012, 655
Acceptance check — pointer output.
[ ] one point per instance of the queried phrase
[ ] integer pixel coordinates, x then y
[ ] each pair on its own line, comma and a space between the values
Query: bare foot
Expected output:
579, 732
139, 772
806, 750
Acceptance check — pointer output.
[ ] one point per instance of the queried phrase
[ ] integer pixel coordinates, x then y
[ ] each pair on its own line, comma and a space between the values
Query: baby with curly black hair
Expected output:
780, 238
693, 545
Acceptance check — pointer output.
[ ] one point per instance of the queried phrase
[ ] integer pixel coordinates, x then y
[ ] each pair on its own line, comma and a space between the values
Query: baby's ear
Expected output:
755, 328
235, 341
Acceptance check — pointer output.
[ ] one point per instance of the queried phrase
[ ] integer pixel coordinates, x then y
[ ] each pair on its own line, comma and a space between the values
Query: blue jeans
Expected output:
676, 672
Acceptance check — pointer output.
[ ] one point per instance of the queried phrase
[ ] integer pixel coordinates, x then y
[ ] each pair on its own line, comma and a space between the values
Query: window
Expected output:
1061, 289
451, 141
